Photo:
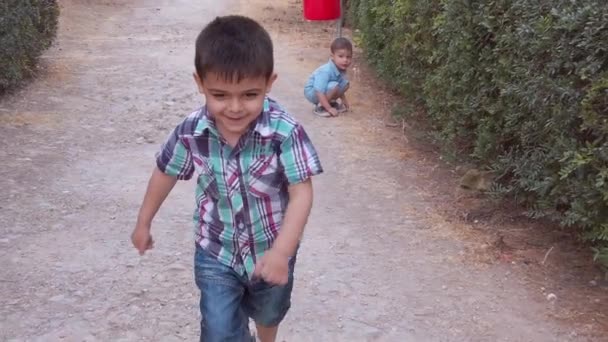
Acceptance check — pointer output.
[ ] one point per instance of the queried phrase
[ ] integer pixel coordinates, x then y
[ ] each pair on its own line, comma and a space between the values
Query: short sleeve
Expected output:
321, 80
298, 157
175, 157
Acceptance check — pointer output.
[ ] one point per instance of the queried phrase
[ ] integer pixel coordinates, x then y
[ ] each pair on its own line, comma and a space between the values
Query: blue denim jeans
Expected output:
228, 300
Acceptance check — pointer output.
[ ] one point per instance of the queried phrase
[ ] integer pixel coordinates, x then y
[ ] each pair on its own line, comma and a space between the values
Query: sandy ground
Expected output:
379, 262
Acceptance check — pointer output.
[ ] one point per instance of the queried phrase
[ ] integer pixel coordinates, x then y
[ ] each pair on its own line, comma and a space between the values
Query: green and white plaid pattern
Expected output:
241, 193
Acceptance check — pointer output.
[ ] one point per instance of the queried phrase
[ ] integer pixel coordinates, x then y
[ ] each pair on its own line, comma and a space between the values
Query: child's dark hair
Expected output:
341, 44
234, 47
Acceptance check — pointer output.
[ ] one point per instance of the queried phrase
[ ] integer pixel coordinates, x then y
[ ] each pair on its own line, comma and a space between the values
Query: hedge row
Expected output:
519, 85
27, 27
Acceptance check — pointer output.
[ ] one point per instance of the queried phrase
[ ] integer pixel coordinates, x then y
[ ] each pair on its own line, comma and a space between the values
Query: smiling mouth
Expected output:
234, 119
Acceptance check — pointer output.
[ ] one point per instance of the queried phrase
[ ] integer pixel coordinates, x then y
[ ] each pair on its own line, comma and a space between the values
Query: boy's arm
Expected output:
174, 162
273, 267
296, 216
345, 101
323, 101
320, 82
159, 187
300, 162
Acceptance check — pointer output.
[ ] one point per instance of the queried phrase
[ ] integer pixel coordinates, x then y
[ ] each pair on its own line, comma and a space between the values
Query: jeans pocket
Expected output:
208, 270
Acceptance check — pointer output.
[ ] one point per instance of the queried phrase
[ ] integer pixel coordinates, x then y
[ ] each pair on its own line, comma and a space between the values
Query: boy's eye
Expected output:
251, 95
218, 96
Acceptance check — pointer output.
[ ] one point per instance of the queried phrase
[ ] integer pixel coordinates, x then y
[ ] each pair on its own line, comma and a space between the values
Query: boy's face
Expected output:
234, 106
342, 58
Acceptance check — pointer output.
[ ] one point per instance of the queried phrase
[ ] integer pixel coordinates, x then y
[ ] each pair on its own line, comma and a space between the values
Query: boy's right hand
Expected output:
142, 239
333, 111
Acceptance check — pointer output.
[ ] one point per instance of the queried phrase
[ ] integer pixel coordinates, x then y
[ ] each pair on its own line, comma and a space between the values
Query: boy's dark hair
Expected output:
341, 44
234, 47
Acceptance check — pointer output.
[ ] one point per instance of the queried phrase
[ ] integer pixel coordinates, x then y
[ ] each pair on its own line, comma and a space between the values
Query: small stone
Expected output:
176, 267
140, 140
551, 297
57, 298
136, 293
593, 283
89, 338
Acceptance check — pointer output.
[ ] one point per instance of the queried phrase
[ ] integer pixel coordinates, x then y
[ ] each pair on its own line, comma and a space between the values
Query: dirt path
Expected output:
77, 146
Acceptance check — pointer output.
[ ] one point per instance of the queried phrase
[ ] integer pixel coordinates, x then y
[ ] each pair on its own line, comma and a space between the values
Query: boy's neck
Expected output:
336, 65
231, 138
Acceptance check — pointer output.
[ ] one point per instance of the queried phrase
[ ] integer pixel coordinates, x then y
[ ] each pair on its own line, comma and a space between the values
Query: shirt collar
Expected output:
334, 68
261, 125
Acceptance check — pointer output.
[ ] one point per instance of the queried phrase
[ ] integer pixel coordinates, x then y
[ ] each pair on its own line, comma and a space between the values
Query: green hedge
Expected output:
27, 27
519, 85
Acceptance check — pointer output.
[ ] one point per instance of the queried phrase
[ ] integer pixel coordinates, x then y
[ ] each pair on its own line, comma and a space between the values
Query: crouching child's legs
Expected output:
336, 90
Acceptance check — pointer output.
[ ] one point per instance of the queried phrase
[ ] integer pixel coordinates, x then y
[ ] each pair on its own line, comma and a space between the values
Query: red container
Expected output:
321, 9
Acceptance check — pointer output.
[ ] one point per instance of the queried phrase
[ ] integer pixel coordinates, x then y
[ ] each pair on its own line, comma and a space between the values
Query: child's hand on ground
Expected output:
346, 104
273, 267
141, 239
333, 111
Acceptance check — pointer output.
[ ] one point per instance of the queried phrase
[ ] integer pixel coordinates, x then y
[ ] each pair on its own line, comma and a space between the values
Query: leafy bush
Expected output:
398, 39
519, 85
27, 27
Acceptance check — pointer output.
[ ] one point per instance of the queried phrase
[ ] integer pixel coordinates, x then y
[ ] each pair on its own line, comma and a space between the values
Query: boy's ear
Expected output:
199, 82
270, 82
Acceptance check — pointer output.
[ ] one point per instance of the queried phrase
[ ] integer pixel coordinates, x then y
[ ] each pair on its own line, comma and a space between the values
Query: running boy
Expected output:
253, 163
328, 83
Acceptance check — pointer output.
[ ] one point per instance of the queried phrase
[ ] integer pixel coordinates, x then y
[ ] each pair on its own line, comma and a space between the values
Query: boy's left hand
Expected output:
273, 267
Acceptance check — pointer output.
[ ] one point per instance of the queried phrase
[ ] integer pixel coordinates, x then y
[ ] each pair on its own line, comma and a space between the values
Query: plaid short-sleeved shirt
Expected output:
241, 193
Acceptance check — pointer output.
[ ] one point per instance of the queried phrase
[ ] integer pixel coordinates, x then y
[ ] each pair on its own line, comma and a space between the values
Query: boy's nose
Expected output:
235, 106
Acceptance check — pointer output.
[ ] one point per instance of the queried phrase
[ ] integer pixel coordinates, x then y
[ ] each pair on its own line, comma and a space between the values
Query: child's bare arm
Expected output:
345, 101
159, 187
296, 216
323, 101
274, 267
